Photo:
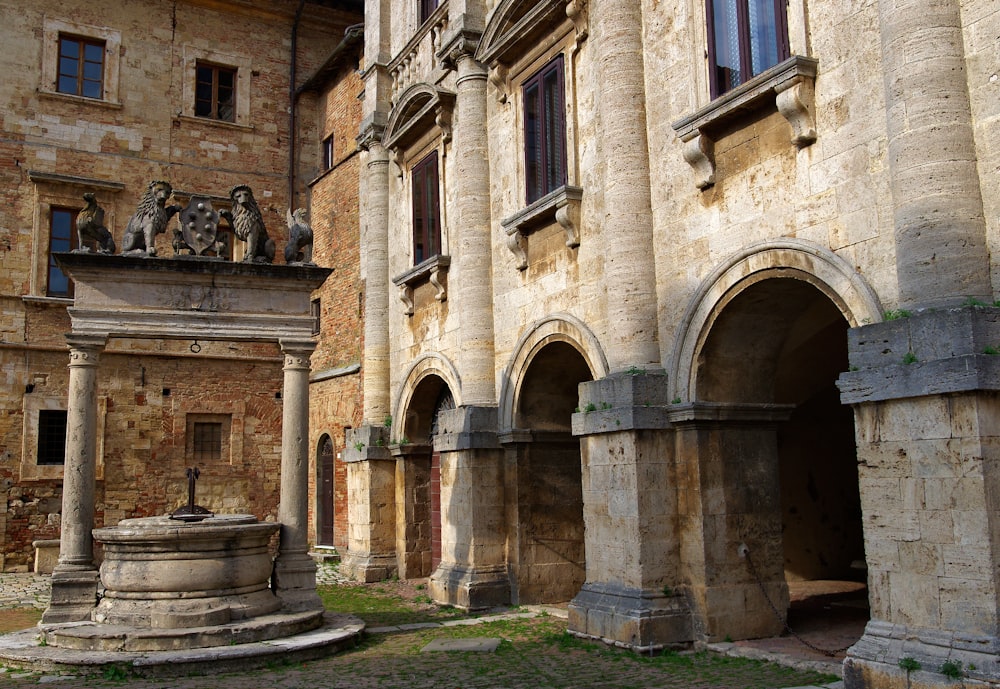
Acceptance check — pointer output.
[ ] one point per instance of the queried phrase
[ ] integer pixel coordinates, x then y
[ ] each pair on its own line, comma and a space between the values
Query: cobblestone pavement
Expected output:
534, 653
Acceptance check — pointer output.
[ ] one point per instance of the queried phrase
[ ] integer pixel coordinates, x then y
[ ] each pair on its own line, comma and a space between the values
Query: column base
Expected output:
368, 567
874, 661
294, 582
631, 618
470, 588
74, 595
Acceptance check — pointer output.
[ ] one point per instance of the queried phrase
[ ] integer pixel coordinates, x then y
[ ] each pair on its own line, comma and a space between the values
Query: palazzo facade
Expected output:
669, 306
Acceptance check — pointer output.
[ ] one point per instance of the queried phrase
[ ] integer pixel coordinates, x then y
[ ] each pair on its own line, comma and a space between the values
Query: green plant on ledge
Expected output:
359, 446
590, 407
387, 421
910, 358
972, 301
952, 670
896, 315
991, 351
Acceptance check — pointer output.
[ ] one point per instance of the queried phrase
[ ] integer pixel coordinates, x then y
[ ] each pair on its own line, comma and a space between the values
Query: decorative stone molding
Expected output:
433, 270
789, 85
420, 107
515, 27
420, 56
561, 205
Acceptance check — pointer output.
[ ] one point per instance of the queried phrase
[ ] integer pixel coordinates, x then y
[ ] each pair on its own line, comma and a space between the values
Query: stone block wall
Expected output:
58, 146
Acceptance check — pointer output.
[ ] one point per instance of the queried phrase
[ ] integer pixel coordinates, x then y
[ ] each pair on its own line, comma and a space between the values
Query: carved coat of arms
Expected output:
198, 226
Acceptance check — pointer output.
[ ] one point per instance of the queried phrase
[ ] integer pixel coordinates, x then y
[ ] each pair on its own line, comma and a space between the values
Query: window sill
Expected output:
561, 205
788, 84
214, 123
55, 301
83, 100
433, 270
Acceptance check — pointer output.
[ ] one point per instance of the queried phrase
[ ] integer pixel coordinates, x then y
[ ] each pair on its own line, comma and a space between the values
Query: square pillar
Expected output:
633, 595
926, 396
371, 511
473, 570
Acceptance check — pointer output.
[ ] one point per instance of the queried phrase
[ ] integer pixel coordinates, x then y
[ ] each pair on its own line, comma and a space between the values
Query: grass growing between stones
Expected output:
385, 605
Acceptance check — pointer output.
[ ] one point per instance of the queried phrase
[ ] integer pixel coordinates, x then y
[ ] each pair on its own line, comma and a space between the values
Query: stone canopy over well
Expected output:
132, 296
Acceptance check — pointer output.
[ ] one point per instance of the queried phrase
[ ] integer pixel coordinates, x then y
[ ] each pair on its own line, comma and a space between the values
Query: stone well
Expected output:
162, 573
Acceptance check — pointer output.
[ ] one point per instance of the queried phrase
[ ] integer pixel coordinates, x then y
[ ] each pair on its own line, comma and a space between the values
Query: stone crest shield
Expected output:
199, 224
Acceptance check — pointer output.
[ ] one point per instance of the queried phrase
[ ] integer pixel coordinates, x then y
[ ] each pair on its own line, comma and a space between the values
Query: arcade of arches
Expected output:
656, 520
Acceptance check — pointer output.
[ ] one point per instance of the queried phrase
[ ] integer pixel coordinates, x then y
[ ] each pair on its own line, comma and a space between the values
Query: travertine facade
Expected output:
142, 123
676, 376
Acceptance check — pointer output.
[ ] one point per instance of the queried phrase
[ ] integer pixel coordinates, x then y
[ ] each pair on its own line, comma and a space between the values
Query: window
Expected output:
81, 67
315, 312
328, 153
206, 441
62, 237
51, 437
426, 211
215, 92
545, 131
427, 8
745, 38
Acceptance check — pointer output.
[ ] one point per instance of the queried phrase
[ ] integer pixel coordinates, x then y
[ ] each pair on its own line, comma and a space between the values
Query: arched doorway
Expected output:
418, 479
325, 493
544, 479
774, 352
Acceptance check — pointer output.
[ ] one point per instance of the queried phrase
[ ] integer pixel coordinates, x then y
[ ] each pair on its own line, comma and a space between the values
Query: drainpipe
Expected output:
291, 105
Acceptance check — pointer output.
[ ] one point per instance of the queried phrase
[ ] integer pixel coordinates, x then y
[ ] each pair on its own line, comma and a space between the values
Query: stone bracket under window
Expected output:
433, 270
561, 206
789, 85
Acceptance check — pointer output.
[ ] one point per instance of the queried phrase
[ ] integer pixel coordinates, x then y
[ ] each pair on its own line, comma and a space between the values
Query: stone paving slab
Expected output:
477, 645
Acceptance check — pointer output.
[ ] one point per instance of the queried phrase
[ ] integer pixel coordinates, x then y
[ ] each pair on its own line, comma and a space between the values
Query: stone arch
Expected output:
785, 257
759, 352
419, 107
555, 328
544, 474
426, 366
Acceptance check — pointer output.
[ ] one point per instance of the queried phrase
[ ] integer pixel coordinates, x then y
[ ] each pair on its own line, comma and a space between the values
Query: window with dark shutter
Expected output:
545, 131
426, 211
427, 8
745, 38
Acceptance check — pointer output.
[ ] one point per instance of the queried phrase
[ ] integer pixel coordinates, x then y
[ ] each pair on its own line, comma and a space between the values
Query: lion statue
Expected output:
90, 229
150, 219
248, 225
300, 238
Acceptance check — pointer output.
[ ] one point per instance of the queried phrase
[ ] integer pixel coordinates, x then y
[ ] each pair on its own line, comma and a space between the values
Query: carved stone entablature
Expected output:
516, 26
419, 108
434, 270
789, 85
561, 206
419, 58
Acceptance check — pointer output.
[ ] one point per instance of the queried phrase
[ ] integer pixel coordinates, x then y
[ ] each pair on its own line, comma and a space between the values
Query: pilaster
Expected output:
940, 230
629, 276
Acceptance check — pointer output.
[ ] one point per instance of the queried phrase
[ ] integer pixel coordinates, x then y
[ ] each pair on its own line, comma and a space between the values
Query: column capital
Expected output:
86, 343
